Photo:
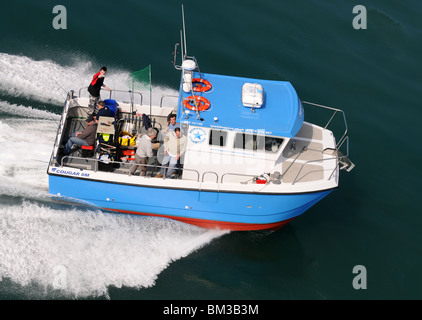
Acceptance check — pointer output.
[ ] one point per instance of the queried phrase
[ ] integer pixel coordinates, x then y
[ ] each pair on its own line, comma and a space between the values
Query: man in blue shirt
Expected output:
173, 124
104, 111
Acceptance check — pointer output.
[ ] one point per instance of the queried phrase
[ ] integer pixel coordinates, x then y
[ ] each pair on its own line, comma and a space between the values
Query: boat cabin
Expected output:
237, 128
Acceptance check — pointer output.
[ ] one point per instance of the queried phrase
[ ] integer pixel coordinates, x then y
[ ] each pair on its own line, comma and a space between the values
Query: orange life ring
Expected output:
201, 103
201, 85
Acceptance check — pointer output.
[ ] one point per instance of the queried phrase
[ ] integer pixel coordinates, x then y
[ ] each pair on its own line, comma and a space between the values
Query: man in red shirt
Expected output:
95, 88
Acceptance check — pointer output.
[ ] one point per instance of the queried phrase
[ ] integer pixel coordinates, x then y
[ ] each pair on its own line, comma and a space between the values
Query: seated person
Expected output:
84, 138
103, 111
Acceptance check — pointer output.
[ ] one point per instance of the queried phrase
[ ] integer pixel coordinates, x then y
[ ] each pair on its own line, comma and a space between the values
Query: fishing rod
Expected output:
66, 92
60, 86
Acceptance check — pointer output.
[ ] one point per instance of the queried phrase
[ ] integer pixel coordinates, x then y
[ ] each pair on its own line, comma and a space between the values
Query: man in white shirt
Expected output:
143, 152
174, 148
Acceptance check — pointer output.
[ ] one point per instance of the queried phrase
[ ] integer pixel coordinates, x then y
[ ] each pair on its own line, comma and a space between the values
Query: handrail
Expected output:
237, 174
166, 96
291, 164
209, 172
341, 157
339, 143
336, 110
96, 161
61, 123
121, 91
318, 160
157, 166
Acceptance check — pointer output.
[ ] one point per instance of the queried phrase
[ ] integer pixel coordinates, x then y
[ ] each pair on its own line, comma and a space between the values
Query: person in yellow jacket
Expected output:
174, 148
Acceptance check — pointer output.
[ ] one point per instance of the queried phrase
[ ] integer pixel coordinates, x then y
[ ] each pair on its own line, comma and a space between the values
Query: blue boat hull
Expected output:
223, 210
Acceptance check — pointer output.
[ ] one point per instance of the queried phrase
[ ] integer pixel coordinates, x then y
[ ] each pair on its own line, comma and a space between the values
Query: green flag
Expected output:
140, 79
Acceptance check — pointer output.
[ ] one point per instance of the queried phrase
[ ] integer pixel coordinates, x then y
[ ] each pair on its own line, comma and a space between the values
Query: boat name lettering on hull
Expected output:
71, 173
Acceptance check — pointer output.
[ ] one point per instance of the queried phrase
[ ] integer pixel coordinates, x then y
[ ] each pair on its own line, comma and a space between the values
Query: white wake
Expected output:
47, 81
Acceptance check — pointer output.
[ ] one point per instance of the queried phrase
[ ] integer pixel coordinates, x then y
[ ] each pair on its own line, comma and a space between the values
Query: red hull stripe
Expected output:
212, 224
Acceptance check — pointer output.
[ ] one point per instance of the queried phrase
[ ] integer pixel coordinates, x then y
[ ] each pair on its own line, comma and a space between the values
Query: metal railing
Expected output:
131, 93
336, 150
96, 162
61, 123
93, 163
239, 175
337, 158
335, 112
166, 96
114, 91
210, 172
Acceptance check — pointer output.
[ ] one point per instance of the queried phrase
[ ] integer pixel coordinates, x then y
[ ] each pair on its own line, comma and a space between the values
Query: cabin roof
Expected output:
281, 113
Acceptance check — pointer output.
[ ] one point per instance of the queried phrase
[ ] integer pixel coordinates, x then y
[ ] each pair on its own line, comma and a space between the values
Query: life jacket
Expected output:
104, 137
95, 78
95, 85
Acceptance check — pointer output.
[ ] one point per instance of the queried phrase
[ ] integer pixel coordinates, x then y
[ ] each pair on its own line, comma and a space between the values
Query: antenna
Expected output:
184, 31
181, 40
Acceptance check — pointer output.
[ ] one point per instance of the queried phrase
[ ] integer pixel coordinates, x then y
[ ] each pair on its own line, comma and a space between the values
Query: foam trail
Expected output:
79, 253
26, 112
24, 77
26, 146
45, 80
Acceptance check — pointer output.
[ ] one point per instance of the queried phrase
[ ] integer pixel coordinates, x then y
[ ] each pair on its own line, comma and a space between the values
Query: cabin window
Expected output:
272, 144
218, 138
249, 141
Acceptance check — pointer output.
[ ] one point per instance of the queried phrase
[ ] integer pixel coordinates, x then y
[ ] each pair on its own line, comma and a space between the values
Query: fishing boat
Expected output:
250, 161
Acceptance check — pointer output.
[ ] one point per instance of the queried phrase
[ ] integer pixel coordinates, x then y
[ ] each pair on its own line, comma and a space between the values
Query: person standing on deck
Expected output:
172, 122
143, 152
95, 88
174, 148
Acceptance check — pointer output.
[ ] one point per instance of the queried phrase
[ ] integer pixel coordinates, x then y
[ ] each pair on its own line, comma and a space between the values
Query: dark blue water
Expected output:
50, 250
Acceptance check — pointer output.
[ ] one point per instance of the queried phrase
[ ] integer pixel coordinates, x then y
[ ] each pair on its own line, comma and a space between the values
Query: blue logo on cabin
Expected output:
197, 135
